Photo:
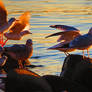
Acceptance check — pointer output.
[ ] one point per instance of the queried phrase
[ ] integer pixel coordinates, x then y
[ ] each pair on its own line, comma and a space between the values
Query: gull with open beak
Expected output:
20, 28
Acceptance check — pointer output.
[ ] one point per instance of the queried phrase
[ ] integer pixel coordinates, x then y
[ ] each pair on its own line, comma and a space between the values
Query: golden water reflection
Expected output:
77, 13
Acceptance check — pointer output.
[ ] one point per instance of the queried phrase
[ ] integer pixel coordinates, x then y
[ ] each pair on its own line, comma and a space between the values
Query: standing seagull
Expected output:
63, 47
20, 28
68, 33
20, 52
4, 24
82, 42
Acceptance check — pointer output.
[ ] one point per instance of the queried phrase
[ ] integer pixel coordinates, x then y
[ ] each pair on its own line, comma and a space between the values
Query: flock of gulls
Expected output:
15, 29
70, 39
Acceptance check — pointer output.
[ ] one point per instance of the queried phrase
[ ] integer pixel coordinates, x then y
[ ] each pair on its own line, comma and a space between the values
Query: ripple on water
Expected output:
77, 13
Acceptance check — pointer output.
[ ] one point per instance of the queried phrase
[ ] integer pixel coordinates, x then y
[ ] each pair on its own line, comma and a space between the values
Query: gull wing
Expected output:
3, 14
67, 36
64, 28
81, 42
24, 18
22, 23
64, 47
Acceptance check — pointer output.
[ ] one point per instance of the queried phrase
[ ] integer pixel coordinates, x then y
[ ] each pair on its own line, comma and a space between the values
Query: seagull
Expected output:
63, 47
20, 52
68, 33
5, 25
12, 36
19, 29
66, 36
83, 42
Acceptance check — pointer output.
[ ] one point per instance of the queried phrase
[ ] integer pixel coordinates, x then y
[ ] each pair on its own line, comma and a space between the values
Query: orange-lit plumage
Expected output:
21, 23
19, 29
5, 25
3, 14
20, 52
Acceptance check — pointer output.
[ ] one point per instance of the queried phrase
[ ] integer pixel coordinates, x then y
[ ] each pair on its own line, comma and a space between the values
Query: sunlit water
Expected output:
77, 13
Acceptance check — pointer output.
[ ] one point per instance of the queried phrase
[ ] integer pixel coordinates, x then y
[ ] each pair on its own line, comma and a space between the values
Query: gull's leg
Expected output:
20, 64
0, 38
83, 54
4, 42
88, 52
66, 53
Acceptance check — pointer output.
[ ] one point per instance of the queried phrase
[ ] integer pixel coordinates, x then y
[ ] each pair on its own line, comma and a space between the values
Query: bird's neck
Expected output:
30, 45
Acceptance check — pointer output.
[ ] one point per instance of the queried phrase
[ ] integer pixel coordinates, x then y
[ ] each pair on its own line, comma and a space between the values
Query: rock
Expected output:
10, 64
78, 70
76, 75
22, 80
70, 64
60, 84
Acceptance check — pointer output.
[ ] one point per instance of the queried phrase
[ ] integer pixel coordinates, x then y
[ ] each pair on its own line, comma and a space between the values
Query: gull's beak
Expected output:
52, 26
30, 33
55, 34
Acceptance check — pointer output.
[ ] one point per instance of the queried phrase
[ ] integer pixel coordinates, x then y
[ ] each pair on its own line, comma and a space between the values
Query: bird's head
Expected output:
25, 32
55, 26
90, 31
29, 42
12, 20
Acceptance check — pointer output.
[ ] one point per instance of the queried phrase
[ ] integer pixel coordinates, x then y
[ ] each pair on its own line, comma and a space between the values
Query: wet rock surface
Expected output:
22, 80
76, 75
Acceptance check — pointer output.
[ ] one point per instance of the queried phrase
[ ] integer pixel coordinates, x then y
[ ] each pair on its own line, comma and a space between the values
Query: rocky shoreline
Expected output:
76, 76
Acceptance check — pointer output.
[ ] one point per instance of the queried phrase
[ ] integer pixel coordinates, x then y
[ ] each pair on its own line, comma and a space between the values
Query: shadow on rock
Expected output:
22, 80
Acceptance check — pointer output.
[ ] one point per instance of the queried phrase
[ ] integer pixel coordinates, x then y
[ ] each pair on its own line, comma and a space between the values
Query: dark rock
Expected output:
70, 64
59, 84
21, 80
10, 64
76, 76
78, 70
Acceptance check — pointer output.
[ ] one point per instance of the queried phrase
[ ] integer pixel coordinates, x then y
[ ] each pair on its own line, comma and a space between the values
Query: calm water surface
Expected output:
77, 13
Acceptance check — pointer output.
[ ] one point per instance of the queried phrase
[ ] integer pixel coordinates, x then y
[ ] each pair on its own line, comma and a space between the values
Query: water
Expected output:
77, 13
